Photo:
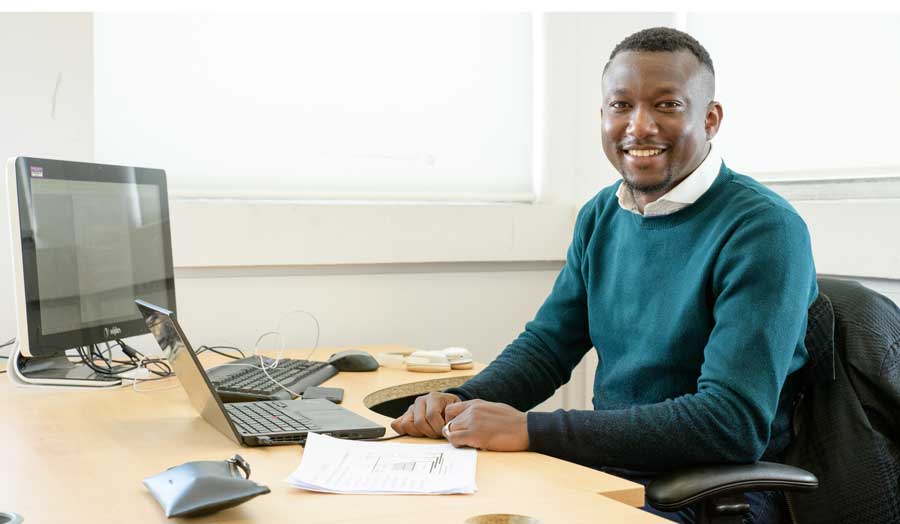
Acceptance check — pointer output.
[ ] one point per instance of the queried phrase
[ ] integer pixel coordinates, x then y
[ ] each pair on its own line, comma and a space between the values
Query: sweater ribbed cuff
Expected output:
543, 435
461, 393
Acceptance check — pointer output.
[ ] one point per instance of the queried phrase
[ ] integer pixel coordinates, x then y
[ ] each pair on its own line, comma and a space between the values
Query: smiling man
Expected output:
690, 280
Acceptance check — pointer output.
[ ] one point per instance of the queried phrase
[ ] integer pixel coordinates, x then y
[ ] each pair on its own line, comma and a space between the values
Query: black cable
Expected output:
376, 439
167, 372
215, 349
3, 345
90, 355
140, 360
93, 353
382, 439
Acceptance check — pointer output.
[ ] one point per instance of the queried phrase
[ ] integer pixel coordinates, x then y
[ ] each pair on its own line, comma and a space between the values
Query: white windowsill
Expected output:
210, 233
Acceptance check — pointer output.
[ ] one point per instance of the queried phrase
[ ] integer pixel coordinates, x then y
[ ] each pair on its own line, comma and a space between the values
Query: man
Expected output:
691, 281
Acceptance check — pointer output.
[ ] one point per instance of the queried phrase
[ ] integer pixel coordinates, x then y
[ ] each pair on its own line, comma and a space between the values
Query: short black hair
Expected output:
663, 39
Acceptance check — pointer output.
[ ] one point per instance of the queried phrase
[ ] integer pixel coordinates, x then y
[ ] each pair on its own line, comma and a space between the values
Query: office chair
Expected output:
846, 426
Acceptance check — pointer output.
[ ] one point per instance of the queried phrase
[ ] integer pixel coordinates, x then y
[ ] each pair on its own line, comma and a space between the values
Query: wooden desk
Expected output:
76, 456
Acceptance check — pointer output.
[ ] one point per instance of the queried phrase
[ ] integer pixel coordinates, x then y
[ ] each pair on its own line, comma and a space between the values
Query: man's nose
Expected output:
642, 124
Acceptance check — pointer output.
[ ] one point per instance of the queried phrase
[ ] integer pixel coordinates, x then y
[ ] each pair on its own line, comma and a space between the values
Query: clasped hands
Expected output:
474, 423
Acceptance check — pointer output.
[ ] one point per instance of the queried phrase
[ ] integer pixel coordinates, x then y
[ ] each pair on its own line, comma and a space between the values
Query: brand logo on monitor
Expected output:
37, 171
113, 331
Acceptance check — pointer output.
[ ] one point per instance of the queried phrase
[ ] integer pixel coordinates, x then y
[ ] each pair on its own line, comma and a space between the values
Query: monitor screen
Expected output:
93, 239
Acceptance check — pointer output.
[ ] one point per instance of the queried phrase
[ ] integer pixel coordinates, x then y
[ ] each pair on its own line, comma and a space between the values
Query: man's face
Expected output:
658, 117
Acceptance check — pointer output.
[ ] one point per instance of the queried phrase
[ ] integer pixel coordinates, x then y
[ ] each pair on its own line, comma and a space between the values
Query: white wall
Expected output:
46, 107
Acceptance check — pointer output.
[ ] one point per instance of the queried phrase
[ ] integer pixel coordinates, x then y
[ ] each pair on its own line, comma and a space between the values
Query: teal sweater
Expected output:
697, 317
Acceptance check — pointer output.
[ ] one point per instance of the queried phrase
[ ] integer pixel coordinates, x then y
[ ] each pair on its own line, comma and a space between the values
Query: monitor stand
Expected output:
56, 370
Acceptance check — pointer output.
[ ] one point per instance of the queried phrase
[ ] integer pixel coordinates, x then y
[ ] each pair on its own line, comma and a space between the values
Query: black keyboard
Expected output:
266, 417
244, 383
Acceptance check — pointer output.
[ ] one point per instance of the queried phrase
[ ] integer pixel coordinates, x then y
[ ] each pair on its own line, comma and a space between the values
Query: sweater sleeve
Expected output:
542, 358
763, 283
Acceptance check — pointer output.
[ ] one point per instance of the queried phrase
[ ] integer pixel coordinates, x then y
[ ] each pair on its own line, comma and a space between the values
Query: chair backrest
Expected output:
847, 423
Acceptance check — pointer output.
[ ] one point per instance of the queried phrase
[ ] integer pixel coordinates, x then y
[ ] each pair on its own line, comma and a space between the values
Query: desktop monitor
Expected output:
87, 240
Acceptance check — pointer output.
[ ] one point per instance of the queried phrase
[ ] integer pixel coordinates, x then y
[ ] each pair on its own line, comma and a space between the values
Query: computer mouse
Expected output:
353, 360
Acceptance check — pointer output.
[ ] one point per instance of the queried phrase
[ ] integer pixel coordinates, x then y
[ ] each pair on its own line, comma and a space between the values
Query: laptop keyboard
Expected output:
267, 417
294, 374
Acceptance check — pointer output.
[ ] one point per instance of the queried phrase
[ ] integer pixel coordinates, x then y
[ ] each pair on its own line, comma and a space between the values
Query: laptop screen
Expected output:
186, 366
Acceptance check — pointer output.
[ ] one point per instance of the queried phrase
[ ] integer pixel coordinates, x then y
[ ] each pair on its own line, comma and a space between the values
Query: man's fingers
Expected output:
435, 416
405, 424
463, 438
457, 424
420, 419
453, 410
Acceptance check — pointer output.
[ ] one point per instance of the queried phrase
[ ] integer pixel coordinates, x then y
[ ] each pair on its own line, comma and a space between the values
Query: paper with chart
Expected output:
351, 466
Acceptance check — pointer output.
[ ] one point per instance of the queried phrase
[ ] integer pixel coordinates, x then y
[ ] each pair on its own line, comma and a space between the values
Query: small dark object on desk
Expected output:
353, 360
10, 518
335, 395
203, 487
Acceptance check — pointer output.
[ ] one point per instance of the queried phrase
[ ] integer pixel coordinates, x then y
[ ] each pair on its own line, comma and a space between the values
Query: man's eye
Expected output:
618, 105
669, 105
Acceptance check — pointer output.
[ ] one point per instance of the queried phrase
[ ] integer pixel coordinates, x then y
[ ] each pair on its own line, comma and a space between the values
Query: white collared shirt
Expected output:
682, 195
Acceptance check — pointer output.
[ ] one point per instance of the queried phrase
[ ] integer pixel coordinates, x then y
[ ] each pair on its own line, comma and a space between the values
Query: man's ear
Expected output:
713, 119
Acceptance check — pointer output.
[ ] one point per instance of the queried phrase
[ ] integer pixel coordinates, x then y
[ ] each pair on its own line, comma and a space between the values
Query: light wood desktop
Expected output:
78, 456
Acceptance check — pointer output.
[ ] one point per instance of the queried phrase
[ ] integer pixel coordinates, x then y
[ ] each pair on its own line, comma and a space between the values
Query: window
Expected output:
329, 105
818, 93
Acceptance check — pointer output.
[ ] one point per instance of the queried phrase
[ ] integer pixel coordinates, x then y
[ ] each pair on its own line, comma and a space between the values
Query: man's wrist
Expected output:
460, 394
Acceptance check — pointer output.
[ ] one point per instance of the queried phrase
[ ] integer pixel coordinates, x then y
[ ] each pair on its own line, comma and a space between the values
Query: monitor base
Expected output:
56, 370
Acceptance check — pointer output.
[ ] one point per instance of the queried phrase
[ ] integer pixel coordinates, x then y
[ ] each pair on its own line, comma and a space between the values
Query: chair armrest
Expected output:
673, 491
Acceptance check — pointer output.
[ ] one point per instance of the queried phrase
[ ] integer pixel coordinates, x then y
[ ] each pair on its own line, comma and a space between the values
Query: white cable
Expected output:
279, 353
262, 363
314, 319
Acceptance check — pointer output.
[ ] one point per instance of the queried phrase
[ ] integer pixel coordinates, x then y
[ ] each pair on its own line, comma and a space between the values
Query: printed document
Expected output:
350, 466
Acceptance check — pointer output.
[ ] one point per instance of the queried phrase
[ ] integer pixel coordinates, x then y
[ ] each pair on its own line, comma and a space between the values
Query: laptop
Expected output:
260, 423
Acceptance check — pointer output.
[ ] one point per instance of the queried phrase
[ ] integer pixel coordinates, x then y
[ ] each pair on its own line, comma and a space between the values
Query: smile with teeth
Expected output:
644, 152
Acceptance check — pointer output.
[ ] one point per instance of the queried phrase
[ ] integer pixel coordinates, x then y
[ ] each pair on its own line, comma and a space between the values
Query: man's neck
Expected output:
642, 199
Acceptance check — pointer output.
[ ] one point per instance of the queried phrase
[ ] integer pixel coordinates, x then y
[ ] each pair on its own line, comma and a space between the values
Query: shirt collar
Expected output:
687, 192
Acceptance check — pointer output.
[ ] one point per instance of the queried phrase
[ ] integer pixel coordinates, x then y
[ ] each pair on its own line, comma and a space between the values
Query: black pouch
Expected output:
203, 487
